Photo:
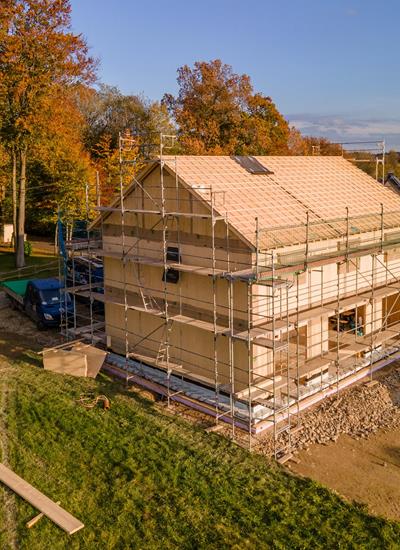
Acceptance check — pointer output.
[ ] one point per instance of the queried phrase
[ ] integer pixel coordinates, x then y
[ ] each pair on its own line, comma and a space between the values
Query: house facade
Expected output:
266, 279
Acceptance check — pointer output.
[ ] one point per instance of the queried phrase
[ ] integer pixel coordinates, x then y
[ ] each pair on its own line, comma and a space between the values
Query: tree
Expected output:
321, 146
263, 130
108, 113
38, 52
217, 112
59, 166
296, 143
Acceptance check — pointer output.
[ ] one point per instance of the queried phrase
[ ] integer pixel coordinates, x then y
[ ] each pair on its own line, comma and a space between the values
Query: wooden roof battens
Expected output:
216, 216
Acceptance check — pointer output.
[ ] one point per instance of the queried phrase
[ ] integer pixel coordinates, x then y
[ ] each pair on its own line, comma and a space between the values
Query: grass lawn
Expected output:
139, 478
37, 263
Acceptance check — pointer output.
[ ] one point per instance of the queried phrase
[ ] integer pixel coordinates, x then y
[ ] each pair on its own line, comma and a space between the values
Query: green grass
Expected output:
37, 265
139, 478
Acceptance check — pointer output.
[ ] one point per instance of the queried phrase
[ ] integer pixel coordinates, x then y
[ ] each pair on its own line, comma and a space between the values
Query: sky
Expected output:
331, 66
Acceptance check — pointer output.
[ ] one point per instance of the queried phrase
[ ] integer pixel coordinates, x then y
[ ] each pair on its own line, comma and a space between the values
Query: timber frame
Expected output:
279, 336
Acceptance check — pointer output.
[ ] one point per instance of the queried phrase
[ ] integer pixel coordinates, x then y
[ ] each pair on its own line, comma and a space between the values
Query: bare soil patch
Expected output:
16, 324
362, 470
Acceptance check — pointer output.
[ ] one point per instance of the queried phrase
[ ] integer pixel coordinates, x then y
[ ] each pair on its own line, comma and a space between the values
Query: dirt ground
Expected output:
364, 470
16, 323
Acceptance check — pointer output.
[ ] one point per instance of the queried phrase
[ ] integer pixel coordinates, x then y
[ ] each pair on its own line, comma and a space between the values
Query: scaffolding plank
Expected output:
330, 308
261, 388
41, 502
156, 262
276, 345
198, 323
257, 337
129, 210
173, 367
314, 366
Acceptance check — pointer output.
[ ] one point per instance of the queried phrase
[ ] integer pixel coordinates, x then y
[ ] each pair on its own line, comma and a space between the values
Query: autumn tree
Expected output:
217, 112
109, 113
38, 53
59, 167
321, 146
296, 143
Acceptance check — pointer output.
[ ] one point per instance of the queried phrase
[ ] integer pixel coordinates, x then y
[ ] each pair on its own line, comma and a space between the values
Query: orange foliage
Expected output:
217, 113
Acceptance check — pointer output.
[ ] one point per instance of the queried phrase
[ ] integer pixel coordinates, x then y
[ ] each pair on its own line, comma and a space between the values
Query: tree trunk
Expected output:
21, 211
14, 198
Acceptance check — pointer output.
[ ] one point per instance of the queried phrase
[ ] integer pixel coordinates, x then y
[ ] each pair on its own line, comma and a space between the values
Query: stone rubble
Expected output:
357, 412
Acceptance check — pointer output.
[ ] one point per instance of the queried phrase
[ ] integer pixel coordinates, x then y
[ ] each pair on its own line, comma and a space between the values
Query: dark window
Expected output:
173, 254
252, 165
171, 276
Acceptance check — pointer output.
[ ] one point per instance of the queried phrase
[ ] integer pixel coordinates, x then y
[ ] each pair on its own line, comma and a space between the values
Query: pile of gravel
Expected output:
357, 412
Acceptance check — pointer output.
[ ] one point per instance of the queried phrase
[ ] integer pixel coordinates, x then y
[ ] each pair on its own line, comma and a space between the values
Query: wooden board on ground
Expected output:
95, 358
38, 500
65, 362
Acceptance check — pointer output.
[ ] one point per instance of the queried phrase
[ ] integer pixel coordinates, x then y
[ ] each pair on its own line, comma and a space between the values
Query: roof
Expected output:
292, 188
322, 186
47, 284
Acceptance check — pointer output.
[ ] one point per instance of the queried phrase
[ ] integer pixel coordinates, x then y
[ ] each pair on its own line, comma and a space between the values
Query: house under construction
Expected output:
249, 287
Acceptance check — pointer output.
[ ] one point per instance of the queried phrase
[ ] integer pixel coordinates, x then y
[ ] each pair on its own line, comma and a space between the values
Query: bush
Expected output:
27, 248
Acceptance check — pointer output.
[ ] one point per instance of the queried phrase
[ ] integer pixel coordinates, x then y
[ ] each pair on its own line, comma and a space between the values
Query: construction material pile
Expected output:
74, 358
357, 412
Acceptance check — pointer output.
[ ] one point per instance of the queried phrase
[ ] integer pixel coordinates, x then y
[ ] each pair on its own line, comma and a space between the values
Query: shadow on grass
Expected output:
15, 350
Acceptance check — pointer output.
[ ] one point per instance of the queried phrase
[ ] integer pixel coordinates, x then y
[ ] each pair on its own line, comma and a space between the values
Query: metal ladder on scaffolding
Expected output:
149, 302
284, 425
164, 343
284, 451
162, 357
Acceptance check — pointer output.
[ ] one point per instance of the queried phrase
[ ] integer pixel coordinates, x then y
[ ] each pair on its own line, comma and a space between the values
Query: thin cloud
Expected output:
340, 128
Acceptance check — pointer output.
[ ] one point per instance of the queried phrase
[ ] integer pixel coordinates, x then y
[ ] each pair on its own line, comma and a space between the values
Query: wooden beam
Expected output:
38, 500
34, 520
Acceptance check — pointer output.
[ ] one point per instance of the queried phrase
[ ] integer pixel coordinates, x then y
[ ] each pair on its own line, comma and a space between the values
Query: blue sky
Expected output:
331, 66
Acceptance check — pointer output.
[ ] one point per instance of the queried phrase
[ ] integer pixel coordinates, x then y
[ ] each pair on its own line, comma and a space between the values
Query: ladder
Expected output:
164, 343
148, 301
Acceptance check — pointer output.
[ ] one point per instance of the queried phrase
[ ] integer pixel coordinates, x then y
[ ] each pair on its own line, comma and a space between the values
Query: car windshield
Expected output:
53, 296
50, 296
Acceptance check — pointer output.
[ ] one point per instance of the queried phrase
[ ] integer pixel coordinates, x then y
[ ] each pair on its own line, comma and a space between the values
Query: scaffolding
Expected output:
315, 306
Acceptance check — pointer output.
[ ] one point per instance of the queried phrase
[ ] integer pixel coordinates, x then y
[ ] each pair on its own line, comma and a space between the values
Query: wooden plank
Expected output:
38, 500
155, 262
314, 367
65, 362
60, 346
198, 323
34, 520
95, 358
264, 383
